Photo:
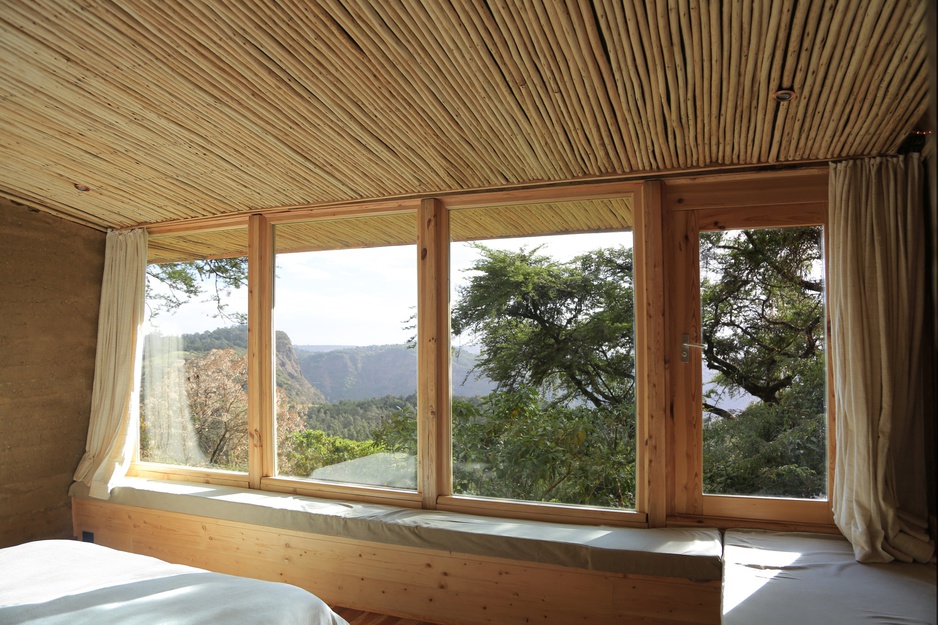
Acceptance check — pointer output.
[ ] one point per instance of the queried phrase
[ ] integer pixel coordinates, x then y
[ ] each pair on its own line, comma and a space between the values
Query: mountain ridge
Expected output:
318, 374
363, 372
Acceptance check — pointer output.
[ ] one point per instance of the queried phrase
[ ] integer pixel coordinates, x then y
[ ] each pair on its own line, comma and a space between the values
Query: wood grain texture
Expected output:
434, 397
358, 617
651, 355
172, 112
261, 358
685, 461
419, 584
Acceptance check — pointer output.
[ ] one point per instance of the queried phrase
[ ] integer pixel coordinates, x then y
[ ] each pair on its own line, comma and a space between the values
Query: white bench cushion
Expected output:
684, 553
787, 577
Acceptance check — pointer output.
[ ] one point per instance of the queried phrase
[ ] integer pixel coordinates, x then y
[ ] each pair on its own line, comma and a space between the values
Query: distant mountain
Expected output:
316, 374
375, 371
321, 348
290, 375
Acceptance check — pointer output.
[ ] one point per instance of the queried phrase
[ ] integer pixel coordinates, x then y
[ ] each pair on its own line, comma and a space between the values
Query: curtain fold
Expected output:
877, 293
115, 403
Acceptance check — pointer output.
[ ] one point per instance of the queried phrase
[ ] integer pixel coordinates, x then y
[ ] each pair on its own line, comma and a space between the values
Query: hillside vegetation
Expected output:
318, 375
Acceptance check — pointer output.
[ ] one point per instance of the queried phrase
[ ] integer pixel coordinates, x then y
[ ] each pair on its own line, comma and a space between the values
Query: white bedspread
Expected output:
67, 582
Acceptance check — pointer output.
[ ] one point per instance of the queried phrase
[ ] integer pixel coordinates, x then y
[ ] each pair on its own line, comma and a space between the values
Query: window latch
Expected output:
686, 345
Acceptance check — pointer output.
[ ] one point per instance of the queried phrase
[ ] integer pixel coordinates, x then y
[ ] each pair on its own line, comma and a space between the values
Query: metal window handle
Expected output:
686, 345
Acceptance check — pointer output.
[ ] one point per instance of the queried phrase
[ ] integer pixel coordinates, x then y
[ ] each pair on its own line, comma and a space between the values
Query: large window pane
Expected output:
764, 362
546, 322
346, 368
193, 401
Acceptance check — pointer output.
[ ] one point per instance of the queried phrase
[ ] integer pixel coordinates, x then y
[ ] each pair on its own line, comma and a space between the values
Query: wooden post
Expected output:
262, 453
685, 463
650, 353
434, 392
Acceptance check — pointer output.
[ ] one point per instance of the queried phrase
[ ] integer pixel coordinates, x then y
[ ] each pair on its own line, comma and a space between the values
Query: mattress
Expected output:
63, 582
789, 577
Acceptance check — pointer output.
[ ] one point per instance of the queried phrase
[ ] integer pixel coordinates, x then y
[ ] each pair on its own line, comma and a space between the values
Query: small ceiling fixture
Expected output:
784, 95
82, 187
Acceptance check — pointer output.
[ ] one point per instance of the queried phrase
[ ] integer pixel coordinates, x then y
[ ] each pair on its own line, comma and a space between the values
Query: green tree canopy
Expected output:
762, 301
763, 308
564, 328
557, 339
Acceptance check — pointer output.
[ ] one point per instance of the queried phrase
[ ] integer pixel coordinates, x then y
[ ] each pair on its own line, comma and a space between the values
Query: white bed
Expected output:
63, 582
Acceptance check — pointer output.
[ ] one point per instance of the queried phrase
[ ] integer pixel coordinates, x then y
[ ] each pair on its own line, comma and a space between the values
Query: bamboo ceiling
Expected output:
165, 111
470, 224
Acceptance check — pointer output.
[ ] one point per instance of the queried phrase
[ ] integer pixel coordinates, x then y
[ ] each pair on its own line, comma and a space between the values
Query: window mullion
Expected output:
685, 464
434, 432
262, 451
651, 492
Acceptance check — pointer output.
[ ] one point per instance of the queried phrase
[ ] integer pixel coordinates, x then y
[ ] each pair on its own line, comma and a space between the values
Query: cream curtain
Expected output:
115, 394
877, 296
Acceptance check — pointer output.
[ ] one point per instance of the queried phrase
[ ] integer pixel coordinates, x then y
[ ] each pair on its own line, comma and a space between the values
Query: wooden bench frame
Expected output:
424, 584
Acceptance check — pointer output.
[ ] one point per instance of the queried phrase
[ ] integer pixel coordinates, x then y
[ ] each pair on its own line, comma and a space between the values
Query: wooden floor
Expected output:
357, 617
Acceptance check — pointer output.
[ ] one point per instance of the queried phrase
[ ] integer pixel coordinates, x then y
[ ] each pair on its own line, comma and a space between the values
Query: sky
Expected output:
361, 296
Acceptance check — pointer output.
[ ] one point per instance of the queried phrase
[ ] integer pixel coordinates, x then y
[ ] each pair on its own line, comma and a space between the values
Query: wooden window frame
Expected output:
668, 459
649, 325
784, 199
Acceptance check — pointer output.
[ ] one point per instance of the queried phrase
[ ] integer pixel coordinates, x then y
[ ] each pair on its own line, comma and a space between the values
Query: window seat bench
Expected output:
694, 554
468, 569
789, 577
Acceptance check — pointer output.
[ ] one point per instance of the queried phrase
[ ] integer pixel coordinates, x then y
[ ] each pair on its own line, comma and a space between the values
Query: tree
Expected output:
511, 444
166, 431
514, 445
566, 328
763, 308
216, 385
195, 409
557, 339
181, 282
763, 326
314, 449
772, 449
357, 419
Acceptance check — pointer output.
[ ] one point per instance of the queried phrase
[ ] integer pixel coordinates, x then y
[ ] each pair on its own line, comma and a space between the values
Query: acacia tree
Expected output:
762, 306
762, 301
557, 339
564, 328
